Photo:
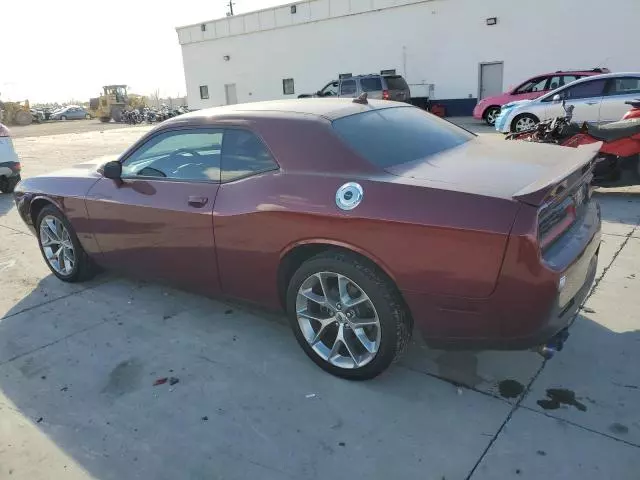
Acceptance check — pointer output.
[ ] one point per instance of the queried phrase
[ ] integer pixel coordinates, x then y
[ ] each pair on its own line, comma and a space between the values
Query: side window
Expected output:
555, 82
588, 89
244, 154
330, 90
373, 84
534, 85
180, 155
348, 87
624, 86
567, 79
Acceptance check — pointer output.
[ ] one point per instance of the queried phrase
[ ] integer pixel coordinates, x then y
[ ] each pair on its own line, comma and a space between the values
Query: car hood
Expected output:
497, 168
88, 168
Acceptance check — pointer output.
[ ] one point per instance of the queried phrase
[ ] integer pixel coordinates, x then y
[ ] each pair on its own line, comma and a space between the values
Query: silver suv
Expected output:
383, 87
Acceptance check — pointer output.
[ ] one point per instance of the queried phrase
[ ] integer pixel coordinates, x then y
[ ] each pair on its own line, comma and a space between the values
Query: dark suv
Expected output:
382, 87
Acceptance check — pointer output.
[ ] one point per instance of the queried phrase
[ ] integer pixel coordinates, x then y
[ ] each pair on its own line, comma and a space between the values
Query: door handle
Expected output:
198, 202
592, 103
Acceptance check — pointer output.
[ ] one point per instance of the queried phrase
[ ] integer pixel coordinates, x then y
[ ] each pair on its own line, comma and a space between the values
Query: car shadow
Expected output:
127, 379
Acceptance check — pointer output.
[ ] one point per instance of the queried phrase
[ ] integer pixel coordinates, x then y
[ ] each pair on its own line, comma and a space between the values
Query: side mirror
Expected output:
112, 170
557, 98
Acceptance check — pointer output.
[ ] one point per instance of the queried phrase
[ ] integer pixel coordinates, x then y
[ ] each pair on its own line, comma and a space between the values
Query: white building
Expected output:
442, 47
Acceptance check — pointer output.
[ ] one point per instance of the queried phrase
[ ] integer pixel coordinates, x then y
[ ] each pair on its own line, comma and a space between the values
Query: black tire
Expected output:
63, 118
490, 115
8, 185
84, 268
395, 322
523, 116
87, 117
105, 119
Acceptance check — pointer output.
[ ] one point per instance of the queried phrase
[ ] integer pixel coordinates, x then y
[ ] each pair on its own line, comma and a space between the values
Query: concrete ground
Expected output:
78, 365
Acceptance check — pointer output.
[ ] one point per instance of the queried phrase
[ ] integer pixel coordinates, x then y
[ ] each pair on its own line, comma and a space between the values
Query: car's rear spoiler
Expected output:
538, 192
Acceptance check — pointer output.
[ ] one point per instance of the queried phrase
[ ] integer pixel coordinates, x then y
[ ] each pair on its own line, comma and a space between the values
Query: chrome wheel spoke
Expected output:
347, 346
323, 328
363, 322
360, 334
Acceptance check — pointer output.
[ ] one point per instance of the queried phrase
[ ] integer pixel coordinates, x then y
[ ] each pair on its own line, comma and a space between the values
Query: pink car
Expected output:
488, 108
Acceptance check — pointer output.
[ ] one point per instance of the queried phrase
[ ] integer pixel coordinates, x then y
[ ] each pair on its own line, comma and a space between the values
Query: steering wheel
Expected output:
181, 152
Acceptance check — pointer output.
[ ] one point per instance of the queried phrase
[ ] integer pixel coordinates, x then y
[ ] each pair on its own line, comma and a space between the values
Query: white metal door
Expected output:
490, 79
230, 93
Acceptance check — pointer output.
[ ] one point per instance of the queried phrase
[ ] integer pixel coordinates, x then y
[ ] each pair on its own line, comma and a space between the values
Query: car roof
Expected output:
328, 108
587, 79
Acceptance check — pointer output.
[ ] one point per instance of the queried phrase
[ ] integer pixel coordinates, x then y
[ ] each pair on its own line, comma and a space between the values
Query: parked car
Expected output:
381, 87
598, 99
70, 113
9, 162
360, 218
488, 108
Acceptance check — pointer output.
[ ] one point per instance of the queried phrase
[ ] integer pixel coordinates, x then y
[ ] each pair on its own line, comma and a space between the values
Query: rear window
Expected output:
371, 84
396, 83
392, 136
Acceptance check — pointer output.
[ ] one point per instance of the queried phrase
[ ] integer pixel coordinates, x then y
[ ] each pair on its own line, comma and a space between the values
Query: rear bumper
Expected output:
528, 307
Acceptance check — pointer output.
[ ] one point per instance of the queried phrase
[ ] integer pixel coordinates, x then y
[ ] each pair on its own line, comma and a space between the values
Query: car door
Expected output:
241, 229
156, 222
74, 114
329, 90
372, 86
585, 97
619, 90
348, 88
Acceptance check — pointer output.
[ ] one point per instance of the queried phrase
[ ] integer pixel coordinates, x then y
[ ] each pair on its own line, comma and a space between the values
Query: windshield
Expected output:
392, 136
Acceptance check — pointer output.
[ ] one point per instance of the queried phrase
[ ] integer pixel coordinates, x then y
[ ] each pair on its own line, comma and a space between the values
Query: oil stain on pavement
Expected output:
560, 396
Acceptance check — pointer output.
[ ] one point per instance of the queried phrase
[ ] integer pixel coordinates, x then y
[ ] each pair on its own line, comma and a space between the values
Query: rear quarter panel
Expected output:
427, 240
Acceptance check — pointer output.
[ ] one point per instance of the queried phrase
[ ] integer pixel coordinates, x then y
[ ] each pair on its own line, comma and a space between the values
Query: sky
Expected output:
63, 50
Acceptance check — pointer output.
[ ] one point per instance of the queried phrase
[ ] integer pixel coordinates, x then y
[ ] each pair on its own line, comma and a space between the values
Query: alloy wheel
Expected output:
338, 320
492, 114
525, 123
57, 245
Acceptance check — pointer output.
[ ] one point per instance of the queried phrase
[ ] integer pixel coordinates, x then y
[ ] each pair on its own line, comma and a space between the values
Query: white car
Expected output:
597, 99
9, 163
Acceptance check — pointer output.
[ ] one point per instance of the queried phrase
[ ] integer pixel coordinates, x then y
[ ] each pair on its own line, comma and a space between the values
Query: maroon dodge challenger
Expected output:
362, 219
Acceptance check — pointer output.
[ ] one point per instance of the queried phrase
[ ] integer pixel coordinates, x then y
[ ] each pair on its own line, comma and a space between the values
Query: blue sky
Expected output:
64, 49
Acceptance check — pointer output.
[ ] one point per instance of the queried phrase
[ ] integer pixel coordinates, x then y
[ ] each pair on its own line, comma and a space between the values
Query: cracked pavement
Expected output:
78, 364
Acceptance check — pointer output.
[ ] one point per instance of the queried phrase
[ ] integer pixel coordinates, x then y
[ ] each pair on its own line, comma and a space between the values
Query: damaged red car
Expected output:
362, 219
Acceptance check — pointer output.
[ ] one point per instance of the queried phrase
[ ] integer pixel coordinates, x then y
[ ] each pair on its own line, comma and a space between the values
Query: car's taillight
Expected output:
4, 131
385, 95
556, 220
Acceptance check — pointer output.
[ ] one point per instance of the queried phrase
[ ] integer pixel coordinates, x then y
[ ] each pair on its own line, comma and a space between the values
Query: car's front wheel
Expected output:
61, 248
347, 315
63, 118
524, 122
491, 114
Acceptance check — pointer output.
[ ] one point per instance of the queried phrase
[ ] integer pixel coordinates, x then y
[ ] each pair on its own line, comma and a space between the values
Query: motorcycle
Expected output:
619, 154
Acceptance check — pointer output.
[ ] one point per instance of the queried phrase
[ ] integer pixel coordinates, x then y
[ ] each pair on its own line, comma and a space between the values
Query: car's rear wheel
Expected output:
491, 114
60, 247
524, 122
347, 315
8, 185
87, 117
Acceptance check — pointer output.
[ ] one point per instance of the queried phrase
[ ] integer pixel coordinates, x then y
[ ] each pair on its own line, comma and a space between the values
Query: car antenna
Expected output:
362, 99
